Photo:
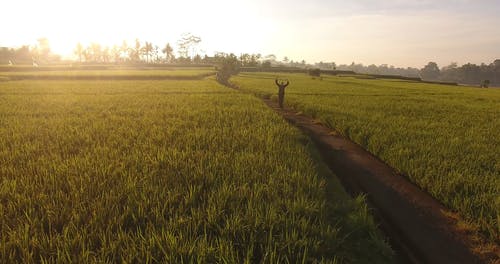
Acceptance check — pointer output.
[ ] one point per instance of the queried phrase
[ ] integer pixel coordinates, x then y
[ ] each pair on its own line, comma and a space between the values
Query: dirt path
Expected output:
420, 229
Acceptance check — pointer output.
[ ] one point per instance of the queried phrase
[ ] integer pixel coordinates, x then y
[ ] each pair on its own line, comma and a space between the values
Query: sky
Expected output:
403, 33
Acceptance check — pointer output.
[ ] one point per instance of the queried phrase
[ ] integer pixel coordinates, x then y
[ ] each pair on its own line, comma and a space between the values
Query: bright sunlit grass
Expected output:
444, 138
166, 171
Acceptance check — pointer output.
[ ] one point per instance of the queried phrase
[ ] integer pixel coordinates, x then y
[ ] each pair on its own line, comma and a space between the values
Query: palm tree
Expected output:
168, 51
147, 50
105, 54
156, 51
96, 51
135, 53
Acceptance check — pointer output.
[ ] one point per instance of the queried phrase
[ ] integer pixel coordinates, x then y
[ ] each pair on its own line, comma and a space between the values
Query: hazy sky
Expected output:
396, 32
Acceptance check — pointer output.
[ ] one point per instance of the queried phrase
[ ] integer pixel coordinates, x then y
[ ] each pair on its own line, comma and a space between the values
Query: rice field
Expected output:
443, 138
113, 73
166, 171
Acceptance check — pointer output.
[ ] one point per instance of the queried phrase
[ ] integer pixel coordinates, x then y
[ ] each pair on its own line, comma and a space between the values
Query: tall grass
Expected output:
166, 171
444, 138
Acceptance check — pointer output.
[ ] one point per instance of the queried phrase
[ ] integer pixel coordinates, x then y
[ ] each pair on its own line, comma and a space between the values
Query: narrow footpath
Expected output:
419, 228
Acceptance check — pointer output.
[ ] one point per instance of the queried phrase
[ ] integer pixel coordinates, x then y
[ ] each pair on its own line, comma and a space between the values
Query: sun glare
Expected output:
312, 31
165, 22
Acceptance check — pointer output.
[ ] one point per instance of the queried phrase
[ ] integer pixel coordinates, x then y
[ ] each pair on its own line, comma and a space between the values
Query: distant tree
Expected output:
115, 53
6, 55
430, 71
249, 60
373, 69
207, 59
227, 65
326, 65
244, 59
470, 74
79, 51
197, 58
135, 53
147, 50
254, 60
286, 60
41, 52
473, 74
382, 69
496, 64
22, 54
10, 56
270, 57
105, 54
155, 53
87, 54
183, 60
266, 64
450, 72
169, 53
182, 50
496, 72
187, 43
96, 52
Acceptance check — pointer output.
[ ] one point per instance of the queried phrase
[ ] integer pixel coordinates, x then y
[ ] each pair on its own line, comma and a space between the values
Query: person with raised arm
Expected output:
282, 84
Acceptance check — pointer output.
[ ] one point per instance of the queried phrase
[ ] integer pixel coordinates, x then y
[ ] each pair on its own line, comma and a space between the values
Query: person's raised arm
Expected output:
276, 82
287, 83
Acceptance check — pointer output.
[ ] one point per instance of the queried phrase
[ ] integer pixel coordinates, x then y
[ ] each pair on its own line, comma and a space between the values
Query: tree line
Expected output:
27, 54
383, 69
188, 53
484, 74
141, 52
471, 74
